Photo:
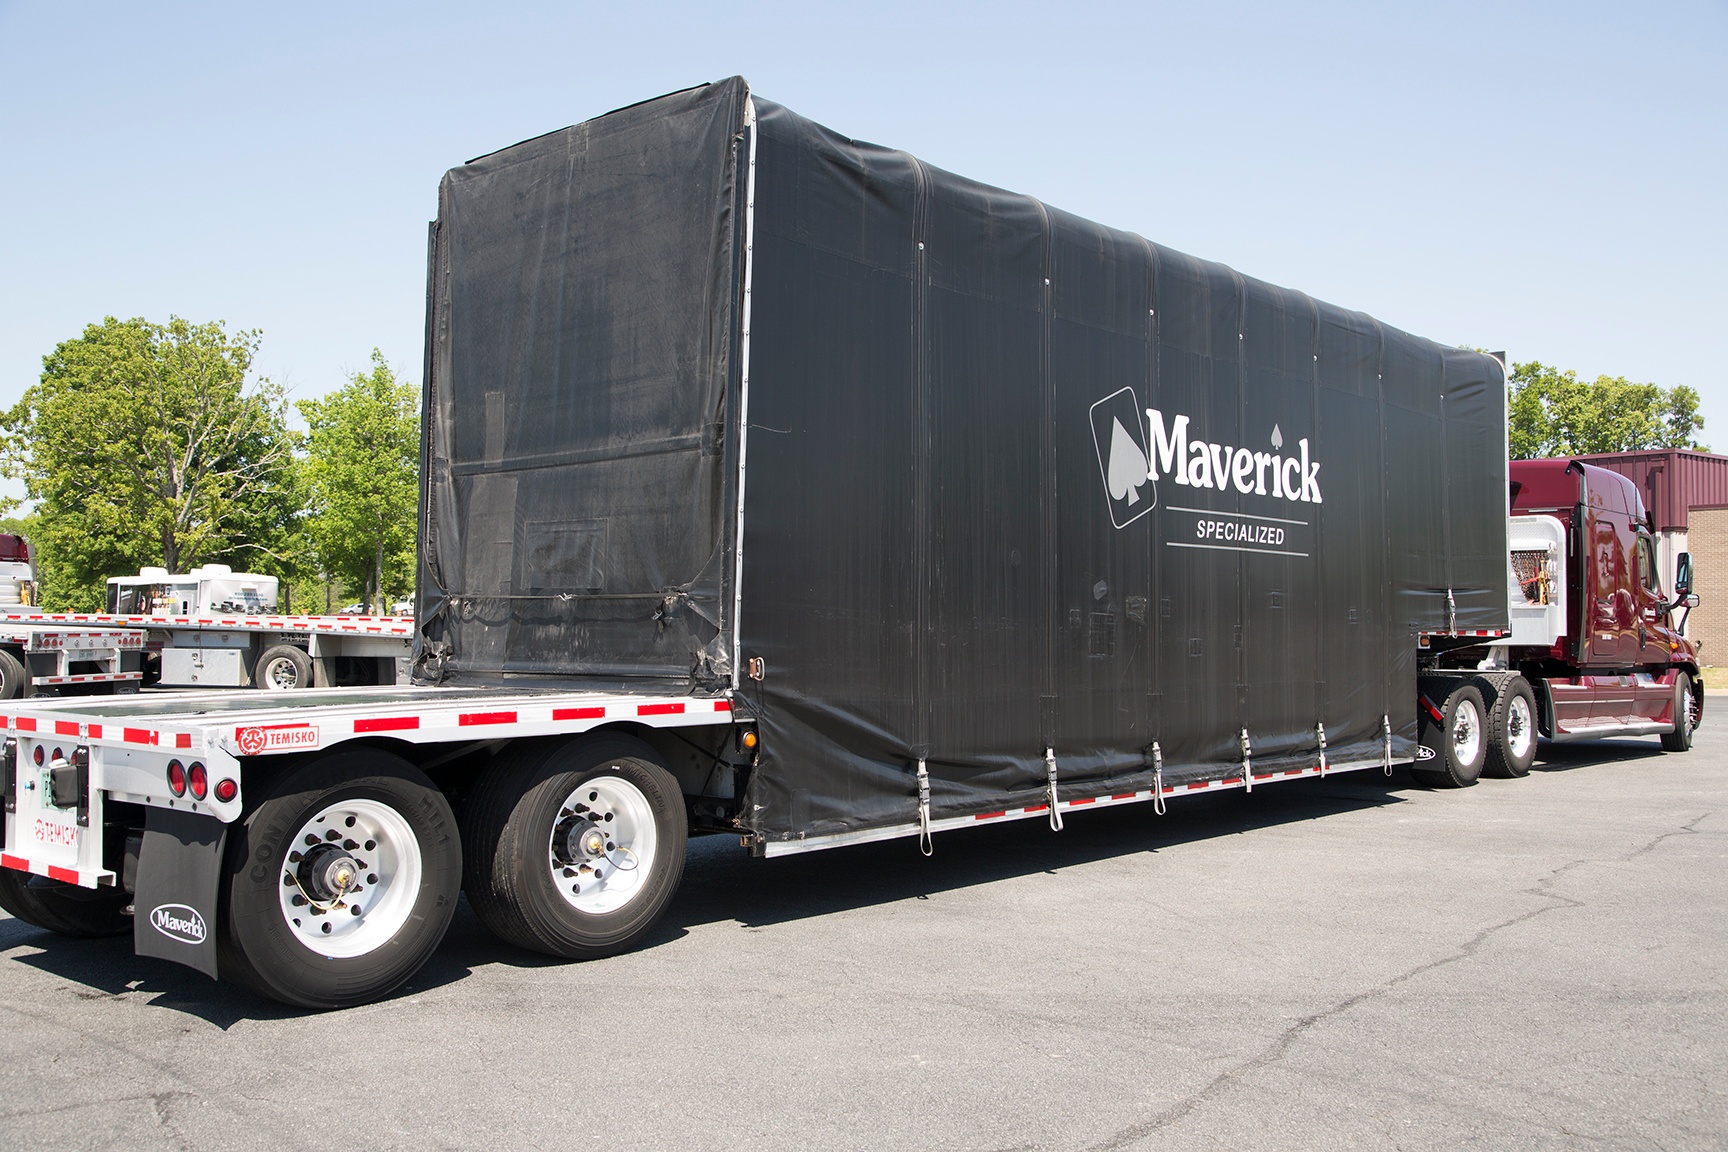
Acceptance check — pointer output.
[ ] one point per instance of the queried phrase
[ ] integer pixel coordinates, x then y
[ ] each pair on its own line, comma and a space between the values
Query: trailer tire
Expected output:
282, 669
65, 909
14, 680
1687, 710
1511, 729
543, 873
1457, 745
394, 843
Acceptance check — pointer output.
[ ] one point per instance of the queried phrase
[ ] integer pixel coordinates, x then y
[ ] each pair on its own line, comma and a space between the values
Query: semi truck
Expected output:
211, 627
782, 486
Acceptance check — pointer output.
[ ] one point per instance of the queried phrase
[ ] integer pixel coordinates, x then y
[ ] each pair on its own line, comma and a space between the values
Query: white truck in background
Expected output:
214, 627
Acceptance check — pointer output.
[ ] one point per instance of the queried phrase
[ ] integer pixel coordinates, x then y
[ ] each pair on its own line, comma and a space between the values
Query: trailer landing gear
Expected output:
575, 849
341, 884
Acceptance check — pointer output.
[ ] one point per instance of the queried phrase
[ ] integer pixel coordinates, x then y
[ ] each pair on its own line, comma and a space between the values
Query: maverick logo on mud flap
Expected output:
1423, 752
179, 922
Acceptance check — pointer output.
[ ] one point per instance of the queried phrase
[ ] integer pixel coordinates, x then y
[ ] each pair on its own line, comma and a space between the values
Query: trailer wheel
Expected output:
341, 884
282, 669
1512, 730
14, 681
65, 909
1688, 710
575, 849
1457, 745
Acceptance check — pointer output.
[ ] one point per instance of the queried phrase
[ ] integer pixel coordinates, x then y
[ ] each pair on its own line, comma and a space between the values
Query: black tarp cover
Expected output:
952, 546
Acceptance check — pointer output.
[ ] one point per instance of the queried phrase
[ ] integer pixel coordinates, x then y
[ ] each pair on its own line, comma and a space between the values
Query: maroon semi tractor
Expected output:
1595, 649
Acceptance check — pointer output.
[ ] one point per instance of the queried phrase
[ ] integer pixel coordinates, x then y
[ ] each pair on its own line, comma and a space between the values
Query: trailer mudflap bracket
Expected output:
178, 888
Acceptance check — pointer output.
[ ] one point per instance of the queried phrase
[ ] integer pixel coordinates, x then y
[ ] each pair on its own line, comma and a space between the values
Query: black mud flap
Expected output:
179, 883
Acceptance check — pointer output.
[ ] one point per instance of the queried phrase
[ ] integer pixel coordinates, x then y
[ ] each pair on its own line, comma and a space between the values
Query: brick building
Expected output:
1686, 494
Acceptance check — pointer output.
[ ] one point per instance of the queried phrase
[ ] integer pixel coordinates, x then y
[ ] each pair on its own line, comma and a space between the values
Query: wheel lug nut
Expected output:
297, 900
349, 845
311, 840
287, 880
332, 835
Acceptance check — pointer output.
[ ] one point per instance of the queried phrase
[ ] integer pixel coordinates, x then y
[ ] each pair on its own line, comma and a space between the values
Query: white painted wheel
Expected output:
1467, 731
602, 848
1520, 727
351, 878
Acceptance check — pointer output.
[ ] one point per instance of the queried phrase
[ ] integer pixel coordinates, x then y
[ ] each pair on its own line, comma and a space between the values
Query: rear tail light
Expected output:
227, 789
177, 777
197, 780
40, 755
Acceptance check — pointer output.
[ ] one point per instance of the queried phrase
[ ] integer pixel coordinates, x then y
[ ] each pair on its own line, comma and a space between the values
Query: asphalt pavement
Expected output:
1346, 963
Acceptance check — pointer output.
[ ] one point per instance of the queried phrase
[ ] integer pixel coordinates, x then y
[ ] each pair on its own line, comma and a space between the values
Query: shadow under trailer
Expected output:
783, 486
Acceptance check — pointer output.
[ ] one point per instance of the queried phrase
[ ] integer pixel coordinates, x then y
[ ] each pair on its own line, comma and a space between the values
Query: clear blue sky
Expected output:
1544, 178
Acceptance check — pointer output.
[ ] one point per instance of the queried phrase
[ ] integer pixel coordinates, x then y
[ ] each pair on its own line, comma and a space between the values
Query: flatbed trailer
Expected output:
40, 653
274, 652
777, 484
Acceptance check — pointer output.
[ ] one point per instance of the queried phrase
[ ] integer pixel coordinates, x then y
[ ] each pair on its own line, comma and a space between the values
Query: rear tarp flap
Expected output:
581, 328
953, 549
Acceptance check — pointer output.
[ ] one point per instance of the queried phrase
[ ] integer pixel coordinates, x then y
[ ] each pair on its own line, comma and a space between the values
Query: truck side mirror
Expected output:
1683, 574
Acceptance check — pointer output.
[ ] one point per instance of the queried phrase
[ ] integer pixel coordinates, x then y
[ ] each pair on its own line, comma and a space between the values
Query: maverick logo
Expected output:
1206, 465
1123, 457
178, 922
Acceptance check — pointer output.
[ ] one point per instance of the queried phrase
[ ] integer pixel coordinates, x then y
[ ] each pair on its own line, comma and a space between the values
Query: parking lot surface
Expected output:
1344, 963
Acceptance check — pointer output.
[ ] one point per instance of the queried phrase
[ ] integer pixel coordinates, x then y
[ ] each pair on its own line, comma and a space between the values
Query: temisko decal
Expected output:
178, 922
1123, 457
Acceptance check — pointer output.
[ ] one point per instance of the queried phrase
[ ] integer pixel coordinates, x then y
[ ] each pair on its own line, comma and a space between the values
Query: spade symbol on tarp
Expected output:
1128, 465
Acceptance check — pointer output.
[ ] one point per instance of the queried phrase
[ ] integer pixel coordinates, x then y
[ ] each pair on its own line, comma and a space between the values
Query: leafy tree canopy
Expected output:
362, 470
142, 444
1554, 413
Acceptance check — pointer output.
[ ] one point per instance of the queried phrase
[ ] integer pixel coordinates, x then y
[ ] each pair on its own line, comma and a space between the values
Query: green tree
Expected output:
142, 444
363, 474
1554, 413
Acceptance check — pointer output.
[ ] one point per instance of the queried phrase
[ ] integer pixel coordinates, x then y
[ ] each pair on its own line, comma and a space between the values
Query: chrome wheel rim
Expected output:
280, 675
601, 849
350, 879
1466, 732
1520, 728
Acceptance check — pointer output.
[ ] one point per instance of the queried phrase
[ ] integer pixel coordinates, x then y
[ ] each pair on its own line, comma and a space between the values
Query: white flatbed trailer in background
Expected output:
38, 654
273, 652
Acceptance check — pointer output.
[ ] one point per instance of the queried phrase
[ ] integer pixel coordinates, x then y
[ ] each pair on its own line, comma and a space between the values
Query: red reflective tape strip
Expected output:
95, 731
68, 875
183, 740
1123, 795
1087, 800
1035, 808
989, 815
387, 724
138, 736
15, 862
468, 718
660, 709
25, 724
1196, 786
65, 728
722, 705
1439, 716
578, 713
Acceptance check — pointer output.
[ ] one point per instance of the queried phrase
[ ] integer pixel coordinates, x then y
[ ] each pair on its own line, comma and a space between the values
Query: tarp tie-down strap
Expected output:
1247, 763
1157, 778
1320, 734
924, 844
1386, 731
1050, 788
